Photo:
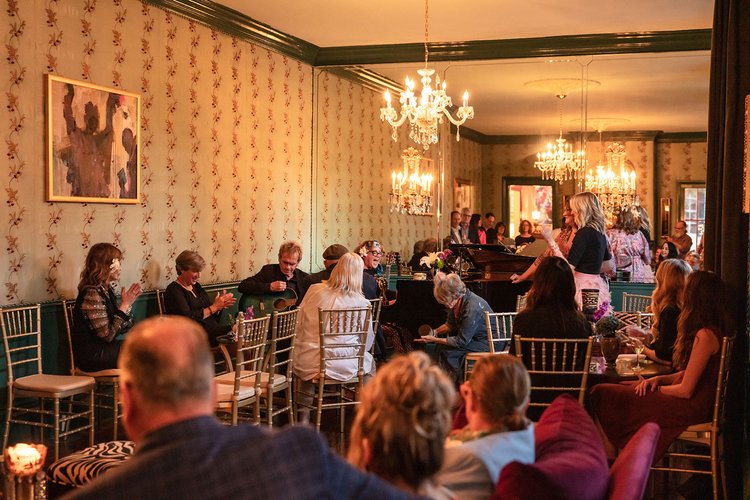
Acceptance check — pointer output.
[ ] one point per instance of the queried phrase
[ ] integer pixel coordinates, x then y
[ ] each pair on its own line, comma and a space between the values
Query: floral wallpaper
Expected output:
679, 162
241, 149
224, 143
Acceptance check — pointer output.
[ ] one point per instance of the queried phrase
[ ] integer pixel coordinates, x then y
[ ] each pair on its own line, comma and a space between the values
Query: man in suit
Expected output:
278, 277
454, 238
183, 451
465, 219
331, 256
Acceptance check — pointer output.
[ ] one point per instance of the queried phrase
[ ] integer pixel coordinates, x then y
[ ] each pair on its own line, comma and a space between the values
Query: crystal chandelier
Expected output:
615, 191
411, 190
426, 111
559, 162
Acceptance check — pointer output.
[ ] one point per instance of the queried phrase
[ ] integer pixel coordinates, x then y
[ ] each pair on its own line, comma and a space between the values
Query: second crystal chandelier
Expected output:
426, 110
559, 162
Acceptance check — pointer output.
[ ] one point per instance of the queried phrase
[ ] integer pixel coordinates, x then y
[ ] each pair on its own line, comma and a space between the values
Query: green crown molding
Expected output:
238, 25
554, 46
366, 78
682, 137
245, 28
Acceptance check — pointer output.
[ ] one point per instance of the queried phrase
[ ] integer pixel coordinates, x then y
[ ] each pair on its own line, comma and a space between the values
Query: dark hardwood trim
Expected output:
682, 137
555, 46
238, 25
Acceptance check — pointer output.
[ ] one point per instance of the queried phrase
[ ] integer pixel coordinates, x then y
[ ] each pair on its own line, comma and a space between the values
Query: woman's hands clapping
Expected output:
222, 301
128, 296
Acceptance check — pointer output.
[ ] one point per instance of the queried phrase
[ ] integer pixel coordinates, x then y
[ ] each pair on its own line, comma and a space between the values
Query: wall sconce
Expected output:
665, 215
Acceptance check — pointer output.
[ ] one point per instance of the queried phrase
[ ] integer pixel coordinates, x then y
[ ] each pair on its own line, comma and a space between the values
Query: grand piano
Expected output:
487, 271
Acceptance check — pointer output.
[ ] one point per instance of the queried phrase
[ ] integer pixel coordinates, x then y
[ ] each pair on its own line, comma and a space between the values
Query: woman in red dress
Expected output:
680, 399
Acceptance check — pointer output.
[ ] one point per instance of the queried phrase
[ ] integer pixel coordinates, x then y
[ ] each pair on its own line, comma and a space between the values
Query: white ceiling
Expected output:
663, 91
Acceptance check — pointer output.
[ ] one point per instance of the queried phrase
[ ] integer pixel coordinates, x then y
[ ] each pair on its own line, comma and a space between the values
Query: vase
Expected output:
610, 349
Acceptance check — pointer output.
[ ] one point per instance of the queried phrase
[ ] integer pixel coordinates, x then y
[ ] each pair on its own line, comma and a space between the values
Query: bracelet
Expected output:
210, 311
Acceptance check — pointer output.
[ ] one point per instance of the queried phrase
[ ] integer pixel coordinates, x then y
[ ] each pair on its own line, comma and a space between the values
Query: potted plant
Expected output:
606, 329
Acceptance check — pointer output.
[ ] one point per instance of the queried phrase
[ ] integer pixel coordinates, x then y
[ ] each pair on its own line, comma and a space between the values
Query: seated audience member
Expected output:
694, 260
683, 398
551, 312
666, 304
98, 321
454, 236
331, 256
183, 451
465, 219
668, 251
186, 297
496, 397
402, 421
476, 231
343, 290
278, 277
503, 238
489, 228
681, 239
465, 325
524, 234
419, 252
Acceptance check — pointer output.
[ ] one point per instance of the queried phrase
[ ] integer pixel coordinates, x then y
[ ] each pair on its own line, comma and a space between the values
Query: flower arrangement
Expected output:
437, 260
607, 326
603, 310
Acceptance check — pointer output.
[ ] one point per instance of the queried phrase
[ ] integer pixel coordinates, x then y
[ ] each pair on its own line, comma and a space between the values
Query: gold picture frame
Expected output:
93, 143
746, 164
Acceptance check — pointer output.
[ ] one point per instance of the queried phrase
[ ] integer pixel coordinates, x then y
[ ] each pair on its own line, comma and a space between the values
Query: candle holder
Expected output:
23, 477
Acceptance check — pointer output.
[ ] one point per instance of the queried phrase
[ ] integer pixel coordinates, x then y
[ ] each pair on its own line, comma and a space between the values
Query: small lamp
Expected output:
24, 478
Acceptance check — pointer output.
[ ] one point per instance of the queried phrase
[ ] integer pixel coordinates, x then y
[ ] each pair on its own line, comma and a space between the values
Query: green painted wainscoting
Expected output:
616, 289
55, 350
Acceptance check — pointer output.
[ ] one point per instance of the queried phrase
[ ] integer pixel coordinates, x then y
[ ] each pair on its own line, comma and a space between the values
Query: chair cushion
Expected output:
53, 383
82, 466
570, 458
114, 372
224, 392
228, 378
629, 473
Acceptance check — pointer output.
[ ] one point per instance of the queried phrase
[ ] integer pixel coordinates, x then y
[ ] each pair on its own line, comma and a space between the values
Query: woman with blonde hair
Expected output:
99, 323
590, 247
465, 327
402, 420
666, 304
630, 247
498, 432
342, 290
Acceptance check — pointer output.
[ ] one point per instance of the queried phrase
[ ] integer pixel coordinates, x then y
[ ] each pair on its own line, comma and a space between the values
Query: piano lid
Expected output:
493, 258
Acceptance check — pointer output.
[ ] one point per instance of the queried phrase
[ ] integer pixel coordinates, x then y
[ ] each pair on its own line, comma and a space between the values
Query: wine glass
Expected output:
637, 345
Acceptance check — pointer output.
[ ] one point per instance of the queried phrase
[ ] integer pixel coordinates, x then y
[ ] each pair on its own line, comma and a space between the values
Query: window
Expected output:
693, 209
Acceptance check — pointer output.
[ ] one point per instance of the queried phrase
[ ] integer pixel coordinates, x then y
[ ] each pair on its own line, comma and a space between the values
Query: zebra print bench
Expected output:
82, 466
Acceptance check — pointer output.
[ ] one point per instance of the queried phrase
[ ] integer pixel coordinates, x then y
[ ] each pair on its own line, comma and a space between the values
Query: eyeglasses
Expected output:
375, 253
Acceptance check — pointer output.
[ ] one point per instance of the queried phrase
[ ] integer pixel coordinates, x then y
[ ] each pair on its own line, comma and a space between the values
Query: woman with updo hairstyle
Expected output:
99, 323
465, 326
498, 432
186, 297
401, 424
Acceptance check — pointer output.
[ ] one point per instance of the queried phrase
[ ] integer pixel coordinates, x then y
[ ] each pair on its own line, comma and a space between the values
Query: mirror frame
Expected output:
532, 181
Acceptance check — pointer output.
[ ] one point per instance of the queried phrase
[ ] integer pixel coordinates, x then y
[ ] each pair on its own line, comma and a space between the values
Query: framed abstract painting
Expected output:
93, 135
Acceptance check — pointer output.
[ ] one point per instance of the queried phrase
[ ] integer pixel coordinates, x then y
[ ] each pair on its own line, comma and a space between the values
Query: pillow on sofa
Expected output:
570, 458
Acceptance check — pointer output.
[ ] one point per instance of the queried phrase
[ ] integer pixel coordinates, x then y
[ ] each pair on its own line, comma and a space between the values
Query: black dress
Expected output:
182, 302
98, 327
524, 240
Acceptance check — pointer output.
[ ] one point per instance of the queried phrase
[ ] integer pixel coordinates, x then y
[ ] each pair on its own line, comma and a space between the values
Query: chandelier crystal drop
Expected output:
560, 162
615, 183
411, 189
426, 110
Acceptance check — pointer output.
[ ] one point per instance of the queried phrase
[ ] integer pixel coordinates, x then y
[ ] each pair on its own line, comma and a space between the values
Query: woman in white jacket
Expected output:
343, 290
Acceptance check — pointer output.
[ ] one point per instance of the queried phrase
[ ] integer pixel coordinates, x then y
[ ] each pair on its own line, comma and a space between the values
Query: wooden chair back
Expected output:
281, 344
251, 343
521, 302
68, 306
632, 302
22, 329
565, 359
499, 330
160, 300
343, 336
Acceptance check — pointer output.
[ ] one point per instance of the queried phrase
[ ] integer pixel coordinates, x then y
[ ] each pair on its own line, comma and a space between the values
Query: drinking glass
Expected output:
637, 345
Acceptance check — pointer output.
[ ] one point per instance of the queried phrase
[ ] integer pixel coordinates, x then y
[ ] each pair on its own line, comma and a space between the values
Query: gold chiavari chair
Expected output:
521, 302
632, 302
499, 335
556, 366
709, 435
245, 387
160, 300
28, 386
107, 391
342, 339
